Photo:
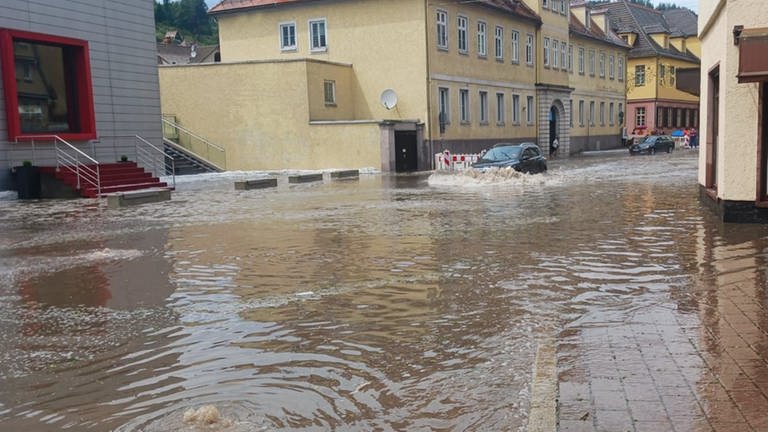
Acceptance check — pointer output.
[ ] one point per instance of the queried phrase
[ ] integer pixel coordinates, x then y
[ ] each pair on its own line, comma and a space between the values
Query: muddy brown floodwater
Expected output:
411, 302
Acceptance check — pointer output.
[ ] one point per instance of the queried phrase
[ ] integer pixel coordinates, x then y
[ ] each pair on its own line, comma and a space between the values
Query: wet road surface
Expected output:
410, 302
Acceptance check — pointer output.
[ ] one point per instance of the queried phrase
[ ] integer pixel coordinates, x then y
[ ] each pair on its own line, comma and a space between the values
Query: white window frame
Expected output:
640, 116
464, 106
640, 77
283, 45
498, 37
581, 60
311, 26
602, 113
515, 46
529, 110
570, 58
611, 67
621, 68
516, 109
611, 114
545, 52
581, 113
462, 34
545, 4
563, 55
482, 39
441, 20
556, 53
444, 104
529, 49
483, 95
592, 62
621, 107
332, 85
602, 65
563, 7
591, 113
500, 114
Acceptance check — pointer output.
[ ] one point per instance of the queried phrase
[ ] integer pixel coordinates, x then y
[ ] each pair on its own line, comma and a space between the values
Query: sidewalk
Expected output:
697, 363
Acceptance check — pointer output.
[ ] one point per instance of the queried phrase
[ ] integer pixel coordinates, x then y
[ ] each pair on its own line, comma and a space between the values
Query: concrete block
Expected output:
305, 178
256, 184
337, 175
131, 198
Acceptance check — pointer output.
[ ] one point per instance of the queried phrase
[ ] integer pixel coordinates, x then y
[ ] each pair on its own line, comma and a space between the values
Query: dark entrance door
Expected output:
552, 125
406, 159
713, 126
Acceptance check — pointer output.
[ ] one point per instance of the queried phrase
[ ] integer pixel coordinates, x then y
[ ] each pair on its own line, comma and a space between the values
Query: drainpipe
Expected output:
429, 87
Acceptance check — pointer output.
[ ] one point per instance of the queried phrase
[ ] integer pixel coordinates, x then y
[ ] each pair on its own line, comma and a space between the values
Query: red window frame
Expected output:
85, 119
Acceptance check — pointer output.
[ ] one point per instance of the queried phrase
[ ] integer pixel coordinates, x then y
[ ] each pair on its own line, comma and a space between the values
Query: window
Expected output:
554, 5
581, 113
570, 58
581, 61
500, 116
602, 113
621, 112
461, 34
288, 36
484, 107
499, 43
602, 65
640, 116
563, 57
545, 4
329, 88
592, 62
563, 9
442, 29
56, 94
529, 49
515, 47
640, 75
611, 114
444, 104
570, 112
317, 34
546, 52
529, 109
591, 113
621, 68
555, 45
482, 41
611, 67
662, 71
516, 109
464, 105
672, 76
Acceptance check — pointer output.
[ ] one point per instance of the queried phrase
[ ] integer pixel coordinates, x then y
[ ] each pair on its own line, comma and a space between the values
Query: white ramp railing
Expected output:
446, 161
154, 158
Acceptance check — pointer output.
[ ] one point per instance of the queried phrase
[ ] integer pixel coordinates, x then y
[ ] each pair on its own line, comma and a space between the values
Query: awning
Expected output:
753, 61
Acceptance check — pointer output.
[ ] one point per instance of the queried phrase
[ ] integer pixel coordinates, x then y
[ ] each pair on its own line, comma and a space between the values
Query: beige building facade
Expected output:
320, 84
733, 161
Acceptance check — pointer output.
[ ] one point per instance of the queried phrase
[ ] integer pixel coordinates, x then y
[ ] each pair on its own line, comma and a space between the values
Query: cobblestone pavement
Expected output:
695, 362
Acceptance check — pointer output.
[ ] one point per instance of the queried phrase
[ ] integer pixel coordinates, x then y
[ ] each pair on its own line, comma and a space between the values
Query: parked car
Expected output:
652, 144
525, 157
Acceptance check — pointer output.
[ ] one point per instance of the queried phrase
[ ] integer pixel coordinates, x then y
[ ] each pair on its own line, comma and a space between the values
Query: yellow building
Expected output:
322, 84
595, 62
733, 160
662, 45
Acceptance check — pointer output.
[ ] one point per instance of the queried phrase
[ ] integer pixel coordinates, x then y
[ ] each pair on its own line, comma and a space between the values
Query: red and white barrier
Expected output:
446, 161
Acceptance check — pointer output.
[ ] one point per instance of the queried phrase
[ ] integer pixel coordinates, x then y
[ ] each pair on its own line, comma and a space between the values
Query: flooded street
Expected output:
411, 302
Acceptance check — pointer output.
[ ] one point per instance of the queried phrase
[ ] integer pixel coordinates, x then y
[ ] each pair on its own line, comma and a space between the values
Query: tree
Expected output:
190, 17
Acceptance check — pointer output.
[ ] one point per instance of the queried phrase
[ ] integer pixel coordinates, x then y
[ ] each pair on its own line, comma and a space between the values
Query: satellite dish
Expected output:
389, 99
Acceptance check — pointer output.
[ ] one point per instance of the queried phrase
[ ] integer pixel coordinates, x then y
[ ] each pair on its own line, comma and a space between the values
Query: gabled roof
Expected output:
516, 7
626, 17
594, 32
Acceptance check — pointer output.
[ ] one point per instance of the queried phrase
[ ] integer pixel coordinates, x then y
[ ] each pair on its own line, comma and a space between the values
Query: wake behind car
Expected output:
652, 144
525, 157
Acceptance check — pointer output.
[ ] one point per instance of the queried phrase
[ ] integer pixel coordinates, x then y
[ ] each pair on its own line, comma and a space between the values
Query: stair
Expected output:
187, 163
114, 177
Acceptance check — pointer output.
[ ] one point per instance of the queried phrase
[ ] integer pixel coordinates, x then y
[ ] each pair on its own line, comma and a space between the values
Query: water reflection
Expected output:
391, 303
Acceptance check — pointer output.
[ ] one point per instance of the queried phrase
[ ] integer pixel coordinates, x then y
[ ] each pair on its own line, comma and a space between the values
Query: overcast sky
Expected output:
690, 4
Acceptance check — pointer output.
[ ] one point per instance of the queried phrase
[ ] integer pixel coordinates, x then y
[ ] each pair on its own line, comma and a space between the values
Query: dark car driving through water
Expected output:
652, 144
525, 157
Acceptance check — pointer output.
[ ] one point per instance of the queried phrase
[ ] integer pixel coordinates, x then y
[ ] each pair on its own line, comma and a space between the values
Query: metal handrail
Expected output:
72, 162
150, 158
208, 145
